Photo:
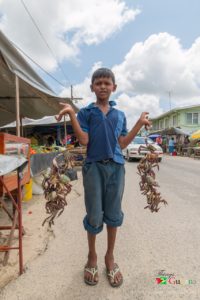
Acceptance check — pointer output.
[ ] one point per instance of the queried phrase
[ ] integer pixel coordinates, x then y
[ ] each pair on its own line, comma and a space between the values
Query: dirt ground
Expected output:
147, 244
35, 240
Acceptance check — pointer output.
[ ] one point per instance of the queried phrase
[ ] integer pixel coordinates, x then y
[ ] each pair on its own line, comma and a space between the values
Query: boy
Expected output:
102, 128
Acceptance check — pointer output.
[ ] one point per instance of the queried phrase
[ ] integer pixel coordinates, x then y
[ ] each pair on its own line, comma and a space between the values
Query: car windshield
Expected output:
141, 140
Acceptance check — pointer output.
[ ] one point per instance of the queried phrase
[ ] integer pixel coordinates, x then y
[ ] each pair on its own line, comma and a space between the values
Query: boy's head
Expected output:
103, 72
103, 83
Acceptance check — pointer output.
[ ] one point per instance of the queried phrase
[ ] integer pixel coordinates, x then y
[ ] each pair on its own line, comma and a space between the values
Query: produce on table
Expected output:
45, 149
148, 184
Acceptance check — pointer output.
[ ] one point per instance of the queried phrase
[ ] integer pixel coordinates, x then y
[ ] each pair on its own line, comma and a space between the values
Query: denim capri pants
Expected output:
171, 149
103, 188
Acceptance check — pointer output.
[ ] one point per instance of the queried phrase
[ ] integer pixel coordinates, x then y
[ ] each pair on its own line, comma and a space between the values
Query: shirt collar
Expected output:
92, 105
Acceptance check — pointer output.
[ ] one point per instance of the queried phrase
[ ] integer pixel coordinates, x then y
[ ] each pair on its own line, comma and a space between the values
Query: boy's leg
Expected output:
109, 257
92, 257
93, 221
113, 216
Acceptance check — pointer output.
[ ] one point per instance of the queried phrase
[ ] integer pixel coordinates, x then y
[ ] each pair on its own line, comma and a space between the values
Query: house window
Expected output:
161, 124
174, 120
195, 118
192, 118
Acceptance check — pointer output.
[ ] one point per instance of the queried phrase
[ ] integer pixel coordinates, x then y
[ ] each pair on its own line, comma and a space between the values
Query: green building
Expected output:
186, 118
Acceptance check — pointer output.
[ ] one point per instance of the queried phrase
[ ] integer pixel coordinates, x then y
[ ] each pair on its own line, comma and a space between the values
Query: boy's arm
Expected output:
81, 135
124, 141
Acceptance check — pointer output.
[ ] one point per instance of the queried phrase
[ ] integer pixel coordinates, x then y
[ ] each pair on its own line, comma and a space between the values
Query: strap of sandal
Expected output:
92, 271
113, 272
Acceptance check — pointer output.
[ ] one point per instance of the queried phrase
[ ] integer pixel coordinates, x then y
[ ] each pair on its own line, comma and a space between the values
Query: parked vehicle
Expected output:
131, 152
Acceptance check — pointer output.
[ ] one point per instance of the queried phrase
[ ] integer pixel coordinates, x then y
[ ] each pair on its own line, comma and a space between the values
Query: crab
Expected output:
56, 186
148, 184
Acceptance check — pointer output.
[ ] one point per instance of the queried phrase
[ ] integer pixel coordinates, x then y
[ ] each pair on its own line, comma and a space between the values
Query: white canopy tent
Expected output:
45, 121
22, 92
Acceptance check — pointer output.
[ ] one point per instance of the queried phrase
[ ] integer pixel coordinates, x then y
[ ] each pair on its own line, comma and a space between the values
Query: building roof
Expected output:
175, 110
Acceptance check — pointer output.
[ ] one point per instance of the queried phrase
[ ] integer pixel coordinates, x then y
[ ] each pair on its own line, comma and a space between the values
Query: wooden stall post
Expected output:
65, 126
17, 106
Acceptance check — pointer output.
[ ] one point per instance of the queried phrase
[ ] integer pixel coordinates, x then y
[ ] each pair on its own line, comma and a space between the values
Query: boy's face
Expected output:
103, 87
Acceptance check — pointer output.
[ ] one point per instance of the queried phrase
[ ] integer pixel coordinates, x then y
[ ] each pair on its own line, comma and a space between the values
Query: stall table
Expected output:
15, 146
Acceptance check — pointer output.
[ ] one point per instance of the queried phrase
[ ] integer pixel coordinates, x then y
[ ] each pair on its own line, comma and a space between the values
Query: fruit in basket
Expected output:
32, 151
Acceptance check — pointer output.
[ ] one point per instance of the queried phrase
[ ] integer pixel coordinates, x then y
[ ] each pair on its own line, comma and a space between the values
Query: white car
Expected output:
131, 152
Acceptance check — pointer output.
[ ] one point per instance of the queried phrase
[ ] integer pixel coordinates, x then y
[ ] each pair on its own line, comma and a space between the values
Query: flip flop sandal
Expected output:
111, 276
93, 272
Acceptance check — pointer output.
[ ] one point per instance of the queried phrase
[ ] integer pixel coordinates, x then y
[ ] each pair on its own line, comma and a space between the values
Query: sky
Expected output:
152, 46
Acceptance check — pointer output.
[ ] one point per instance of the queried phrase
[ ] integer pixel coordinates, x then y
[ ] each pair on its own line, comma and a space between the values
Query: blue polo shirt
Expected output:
104, 131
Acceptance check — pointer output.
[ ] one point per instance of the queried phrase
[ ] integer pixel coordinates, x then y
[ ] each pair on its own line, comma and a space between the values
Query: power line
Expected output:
45, 41
38, 65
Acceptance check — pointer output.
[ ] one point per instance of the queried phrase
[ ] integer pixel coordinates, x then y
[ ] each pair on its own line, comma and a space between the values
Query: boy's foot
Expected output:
114, 275
91, 271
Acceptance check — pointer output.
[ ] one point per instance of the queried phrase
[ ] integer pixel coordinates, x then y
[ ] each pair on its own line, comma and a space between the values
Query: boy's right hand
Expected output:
144, 119
67, 109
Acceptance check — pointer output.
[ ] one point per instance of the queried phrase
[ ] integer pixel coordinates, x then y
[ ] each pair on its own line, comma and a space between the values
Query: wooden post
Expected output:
21, 126
19, 202
17, 106
65, 127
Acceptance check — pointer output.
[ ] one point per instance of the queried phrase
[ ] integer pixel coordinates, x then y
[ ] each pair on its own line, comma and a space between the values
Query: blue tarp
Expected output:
154, 136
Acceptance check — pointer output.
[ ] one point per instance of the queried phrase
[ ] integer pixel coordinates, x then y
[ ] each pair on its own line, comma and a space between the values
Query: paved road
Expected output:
147, 243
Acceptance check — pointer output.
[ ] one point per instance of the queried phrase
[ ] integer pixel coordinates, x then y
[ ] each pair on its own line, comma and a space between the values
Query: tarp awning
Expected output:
171, 131
36, 98
45, 121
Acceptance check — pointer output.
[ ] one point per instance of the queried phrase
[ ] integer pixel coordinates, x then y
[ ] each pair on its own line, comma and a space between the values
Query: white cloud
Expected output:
149, 71
159, 65
66, 25
132, 106
135, 105
83, 89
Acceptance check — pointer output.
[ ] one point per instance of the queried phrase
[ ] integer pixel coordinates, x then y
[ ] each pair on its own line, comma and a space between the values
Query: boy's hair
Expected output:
103, 72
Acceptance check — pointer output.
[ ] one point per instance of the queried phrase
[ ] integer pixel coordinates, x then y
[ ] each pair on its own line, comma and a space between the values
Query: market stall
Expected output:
179, 136
8, 165
22, 92
15, 146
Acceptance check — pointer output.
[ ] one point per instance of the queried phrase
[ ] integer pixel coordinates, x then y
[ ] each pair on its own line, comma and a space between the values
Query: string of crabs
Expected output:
56, 186
148, 184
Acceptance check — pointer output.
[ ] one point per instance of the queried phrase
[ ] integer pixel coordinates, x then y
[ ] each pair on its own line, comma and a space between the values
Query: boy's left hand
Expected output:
67, 109
144, 119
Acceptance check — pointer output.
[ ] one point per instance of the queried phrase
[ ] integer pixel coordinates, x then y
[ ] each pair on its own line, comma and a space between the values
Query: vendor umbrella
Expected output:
195, 135
154, 136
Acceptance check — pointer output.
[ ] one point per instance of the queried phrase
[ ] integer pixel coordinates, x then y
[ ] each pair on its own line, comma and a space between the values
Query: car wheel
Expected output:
128, 157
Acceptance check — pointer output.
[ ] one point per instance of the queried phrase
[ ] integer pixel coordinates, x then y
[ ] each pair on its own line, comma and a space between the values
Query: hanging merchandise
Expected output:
148, 184
56, 185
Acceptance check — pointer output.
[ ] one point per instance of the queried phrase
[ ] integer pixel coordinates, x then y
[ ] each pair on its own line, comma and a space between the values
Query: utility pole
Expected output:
72, 97
170, 95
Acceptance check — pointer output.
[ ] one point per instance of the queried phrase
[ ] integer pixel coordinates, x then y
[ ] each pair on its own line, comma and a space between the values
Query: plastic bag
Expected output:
72, 174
